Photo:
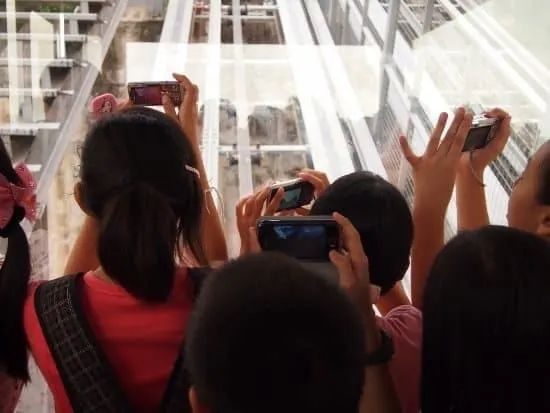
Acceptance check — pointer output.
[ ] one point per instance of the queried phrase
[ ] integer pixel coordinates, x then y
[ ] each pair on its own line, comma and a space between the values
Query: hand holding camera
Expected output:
249, 209
486, 139
300, 192
353, 267
331, 240
180, 93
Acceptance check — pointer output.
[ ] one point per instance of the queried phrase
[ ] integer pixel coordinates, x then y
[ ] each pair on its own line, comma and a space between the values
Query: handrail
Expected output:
21, 15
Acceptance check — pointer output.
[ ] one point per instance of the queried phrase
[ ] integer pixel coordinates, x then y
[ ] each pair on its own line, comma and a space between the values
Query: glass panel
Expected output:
279, 166
269, 82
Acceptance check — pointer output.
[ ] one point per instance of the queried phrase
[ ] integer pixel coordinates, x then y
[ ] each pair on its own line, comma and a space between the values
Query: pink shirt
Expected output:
404, 325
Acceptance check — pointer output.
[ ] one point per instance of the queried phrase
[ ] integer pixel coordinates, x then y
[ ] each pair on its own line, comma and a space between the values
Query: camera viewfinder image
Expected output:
291, 199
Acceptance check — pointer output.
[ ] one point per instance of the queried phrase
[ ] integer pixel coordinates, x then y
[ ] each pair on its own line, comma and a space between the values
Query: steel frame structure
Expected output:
417, 102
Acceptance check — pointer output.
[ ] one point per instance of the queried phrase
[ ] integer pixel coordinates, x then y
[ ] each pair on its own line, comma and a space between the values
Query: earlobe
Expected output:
196, 406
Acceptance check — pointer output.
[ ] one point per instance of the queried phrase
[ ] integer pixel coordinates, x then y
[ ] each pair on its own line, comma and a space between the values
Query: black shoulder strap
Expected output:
176, 396
88, 378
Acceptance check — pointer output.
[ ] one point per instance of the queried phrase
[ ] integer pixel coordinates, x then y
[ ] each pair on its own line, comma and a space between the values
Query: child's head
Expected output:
485, 337
17, 201
382, 217
139, 181
268, 335
529, 204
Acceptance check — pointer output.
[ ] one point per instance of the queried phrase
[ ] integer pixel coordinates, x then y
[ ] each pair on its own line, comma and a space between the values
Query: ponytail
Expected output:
137, 242
14, 279
17, 202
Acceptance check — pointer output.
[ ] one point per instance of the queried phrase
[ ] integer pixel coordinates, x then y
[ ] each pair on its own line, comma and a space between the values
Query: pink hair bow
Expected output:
12, 195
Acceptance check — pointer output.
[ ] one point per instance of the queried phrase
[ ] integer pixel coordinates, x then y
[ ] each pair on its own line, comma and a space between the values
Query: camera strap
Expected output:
88, 378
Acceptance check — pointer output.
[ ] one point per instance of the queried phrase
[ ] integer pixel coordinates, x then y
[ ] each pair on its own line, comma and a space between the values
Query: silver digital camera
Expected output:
481, 133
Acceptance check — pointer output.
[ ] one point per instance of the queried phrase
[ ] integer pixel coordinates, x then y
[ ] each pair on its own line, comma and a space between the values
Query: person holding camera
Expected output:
529, 203
383, 220
125, 305
287, 339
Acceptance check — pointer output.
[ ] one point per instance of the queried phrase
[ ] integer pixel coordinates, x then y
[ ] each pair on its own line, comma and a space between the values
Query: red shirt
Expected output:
141, 341
404, 325
10, 390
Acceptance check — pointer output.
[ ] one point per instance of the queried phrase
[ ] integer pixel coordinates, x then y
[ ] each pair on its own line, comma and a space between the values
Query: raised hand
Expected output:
434, 172
249, 209
318, 179
187, 113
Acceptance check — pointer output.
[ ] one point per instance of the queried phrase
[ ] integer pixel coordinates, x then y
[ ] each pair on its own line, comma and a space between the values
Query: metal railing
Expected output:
50, 144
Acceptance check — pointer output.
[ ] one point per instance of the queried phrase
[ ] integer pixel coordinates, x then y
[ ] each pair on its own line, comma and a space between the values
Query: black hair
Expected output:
382, 217
267, 336
134, 181
485, 328
543, 191
15, 274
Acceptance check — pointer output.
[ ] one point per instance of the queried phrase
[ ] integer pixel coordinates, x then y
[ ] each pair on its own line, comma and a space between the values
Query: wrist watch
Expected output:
383, 354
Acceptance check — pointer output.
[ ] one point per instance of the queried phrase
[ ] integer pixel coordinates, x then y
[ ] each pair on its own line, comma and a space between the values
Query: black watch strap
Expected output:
382, 354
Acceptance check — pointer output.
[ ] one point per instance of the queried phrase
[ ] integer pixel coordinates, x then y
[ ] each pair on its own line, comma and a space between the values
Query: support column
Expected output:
211, 123
243, 138
387, 58
345, 26
428, 16
365, 20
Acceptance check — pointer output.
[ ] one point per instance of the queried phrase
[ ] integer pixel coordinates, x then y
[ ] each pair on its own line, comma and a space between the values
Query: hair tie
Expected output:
193, 170
17, 201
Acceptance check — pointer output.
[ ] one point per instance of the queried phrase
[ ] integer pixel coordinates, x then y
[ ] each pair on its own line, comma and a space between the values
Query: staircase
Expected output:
51, 52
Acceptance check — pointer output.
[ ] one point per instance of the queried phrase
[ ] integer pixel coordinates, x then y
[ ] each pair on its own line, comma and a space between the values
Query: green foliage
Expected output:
54, 8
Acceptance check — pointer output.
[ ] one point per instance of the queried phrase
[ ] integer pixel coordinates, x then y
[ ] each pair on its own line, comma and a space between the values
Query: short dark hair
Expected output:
267, 335
15, 274
382, 217
148, 205
543, 191
486, 324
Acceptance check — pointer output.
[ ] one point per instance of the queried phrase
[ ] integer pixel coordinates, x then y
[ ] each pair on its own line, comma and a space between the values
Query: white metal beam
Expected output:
21, 15
211, 124
243, 138
324, 133
345, 96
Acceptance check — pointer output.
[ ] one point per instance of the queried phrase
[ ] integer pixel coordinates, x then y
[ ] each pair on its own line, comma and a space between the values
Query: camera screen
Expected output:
305, 242
148, 95
477, 138
151, 95
291, 198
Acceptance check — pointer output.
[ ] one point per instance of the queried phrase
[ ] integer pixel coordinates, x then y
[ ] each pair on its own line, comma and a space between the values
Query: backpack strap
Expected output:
176, 396
88, 378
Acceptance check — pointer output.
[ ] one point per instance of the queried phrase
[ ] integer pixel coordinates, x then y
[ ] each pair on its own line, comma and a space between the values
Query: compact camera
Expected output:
483, 130
309, 238
297, 193
150, 93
